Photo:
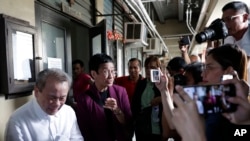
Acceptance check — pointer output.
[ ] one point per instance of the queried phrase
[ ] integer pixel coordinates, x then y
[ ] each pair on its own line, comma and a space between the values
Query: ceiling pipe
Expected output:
140, 14
200, 21
180, 10
126, 9
145, 20
137, 10
146, 1
150, 23
190, 19
159, 10
187, 21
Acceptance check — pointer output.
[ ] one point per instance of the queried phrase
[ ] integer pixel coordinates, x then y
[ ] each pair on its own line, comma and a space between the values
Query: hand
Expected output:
242, 113
184, 48
163, 84
166, 83
166, 87
111, 104
186, 118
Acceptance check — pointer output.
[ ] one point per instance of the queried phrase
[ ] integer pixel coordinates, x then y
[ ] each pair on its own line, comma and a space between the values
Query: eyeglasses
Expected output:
230, 18
106, 72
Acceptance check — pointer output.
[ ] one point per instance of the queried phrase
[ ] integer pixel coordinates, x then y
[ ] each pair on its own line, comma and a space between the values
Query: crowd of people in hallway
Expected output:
110, 108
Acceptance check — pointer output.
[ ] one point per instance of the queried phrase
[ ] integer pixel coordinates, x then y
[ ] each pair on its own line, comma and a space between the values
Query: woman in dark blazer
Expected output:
103, 111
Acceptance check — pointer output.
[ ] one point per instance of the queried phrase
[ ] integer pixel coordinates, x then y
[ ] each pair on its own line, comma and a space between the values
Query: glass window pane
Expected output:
53, 44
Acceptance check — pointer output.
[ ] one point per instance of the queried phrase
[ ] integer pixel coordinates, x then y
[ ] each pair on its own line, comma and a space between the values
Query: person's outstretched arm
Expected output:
165, 87
186, 118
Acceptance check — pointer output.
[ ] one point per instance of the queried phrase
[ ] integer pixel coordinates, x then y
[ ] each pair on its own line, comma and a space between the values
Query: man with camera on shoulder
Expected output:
232, 27
236, 17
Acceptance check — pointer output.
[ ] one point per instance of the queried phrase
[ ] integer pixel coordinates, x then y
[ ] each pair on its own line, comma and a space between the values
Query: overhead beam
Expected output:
180, 10
158, 6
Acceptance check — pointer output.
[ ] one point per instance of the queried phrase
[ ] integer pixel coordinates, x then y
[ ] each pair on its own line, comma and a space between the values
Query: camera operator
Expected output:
184, 46
216, 30
233, 25
236, 17
176, 68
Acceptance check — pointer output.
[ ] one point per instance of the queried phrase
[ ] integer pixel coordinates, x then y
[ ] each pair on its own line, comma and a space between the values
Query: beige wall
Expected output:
23, 9
172, 29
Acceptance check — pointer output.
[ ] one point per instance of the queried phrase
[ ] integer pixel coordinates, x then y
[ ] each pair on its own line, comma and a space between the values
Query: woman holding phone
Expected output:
219, 61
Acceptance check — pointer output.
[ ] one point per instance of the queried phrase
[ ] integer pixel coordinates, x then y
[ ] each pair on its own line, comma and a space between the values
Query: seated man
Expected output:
45, 117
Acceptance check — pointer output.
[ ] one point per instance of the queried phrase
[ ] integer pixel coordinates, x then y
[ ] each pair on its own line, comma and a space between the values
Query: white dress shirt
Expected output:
31, 123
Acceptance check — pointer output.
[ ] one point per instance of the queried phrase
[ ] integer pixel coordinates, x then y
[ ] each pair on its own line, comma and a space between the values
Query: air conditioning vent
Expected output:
154, 47
135, 32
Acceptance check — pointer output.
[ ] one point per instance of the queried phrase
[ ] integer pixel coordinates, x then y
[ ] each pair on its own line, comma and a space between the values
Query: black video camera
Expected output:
217, 30
179, 79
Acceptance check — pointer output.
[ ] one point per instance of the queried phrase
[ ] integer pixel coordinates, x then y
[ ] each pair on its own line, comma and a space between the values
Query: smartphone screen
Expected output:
212, 98
155, 75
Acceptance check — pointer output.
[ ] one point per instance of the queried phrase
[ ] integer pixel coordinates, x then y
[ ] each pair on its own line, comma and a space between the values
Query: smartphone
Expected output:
155, 75
185, 40
212, 98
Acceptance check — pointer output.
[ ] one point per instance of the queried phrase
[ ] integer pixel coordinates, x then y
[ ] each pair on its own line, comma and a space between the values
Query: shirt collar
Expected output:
39, 111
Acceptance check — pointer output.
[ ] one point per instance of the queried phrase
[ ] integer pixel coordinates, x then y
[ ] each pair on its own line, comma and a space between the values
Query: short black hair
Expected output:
195, 69
135, 59
237, 6
98, 59
176, 64
78, 61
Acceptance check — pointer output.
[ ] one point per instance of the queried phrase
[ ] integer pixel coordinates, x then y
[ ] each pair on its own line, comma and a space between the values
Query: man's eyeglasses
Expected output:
230, 18
106, 72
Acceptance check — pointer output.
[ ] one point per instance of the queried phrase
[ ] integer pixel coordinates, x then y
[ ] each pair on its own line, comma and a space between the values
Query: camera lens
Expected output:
217, 30
205, 35
179, 79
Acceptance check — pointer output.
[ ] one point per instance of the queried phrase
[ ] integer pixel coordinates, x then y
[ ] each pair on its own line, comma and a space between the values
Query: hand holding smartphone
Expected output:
212, 98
